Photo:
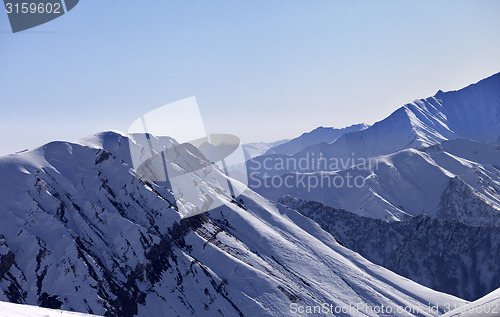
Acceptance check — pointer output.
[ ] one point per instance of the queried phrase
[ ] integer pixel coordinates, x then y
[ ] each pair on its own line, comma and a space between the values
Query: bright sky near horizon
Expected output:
262, 70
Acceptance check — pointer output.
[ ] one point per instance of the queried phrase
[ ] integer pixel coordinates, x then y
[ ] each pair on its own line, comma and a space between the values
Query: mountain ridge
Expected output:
443, 254
432, 120
472, 112
318, 135
81, 232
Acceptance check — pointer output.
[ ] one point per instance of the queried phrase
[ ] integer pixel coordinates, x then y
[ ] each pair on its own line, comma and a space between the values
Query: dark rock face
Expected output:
445, 255
462, 202
79, 231
97, 239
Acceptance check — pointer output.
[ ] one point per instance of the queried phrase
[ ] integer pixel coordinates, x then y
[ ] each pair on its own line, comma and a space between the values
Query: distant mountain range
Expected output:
469, 113
80, 231
428, 202
290, 147
316, 136
444, 255
425, 158
251, 150
457, 179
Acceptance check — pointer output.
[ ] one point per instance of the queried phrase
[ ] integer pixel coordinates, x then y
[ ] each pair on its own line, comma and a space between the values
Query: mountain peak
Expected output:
99, 140
488, 82
320, 134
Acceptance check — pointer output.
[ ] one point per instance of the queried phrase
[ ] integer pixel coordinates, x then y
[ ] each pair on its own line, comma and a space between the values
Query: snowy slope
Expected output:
255, 149
80, 232
442, 181
316, 136
470, 113
444, 255
488, 306
16, 310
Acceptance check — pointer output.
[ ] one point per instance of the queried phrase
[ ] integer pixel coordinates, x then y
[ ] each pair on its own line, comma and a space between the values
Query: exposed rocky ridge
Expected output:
80, 232
445, 255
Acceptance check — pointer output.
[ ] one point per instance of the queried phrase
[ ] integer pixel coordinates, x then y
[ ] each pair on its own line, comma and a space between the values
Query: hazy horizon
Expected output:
262, 71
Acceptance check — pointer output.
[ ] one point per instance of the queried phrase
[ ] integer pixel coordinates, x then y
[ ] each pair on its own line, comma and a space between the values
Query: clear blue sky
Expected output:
263, 70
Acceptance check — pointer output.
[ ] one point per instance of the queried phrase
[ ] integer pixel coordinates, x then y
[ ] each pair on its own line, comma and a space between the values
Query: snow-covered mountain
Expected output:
81, 232
470, 113
458, 179
437, 156
254, 149
487, 306
444, 255
433, 167
17, 310
316, 136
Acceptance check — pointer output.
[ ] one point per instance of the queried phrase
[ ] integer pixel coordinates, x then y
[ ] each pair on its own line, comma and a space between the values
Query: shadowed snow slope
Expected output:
438, 156
80, 232
470, 113
457, 179
444, 255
